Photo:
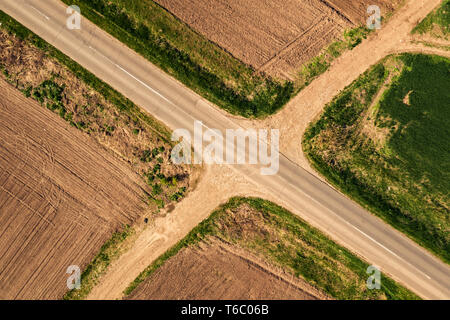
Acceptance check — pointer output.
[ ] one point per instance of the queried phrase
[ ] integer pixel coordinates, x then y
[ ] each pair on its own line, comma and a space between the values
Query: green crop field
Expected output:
385, 142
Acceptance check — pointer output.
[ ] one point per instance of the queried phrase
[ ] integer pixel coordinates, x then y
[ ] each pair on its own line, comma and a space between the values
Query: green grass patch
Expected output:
436, 23
287, 241
319, 64
392, 155
108, 252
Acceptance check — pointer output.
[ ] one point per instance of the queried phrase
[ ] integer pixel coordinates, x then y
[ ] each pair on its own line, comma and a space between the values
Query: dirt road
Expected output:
219, 183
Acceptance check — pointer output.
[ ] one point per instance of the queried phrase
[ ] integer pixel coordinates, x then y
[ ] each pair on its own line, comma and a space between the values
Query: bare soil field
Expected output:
356, 10
217, 270
129, 134
273, 38
126, 150
61, 197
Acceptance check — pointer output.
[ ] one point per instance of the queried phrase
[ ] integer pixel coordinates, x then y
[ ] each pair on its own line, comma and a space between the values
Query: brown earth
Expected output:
218, 182
356, 10
217, 270
273, 38
61, 197
131, 135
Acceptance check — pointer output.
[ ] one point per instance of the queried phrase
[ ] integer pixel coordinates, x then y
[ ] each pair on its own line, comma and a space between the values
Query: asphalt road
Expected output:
178, 107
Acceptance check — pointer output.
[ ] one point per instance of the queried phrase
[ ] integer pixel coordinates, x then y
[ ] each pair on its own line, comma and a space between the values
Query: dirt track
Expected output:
55, 210
219, 183
217, 270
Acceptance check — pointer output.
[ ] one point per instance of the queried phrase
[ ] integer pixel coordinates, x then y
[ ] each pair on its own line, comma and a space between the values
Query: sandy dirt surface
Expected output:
55, 209
217, 270
216, 186
273, 38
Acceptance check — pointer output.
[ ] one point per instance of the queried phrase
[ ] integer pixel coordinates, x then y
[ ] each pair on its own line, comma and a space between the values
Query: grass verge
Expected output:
158, 36
284, 239
210, 71
319, 64
384, 142
436, 23
108, 252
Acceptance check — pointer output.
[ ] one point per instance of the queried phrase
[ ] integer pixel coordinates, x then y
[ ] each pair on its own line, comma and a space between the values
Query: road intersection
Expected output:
178, 107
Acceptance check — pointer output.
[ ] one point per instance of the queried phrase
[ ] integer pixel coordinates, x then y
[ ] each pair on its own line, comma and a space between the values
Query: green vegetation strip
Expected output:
123, 104
109, 251
319, 64
285, 240
198, 63
155, 34
384, 142
439, 18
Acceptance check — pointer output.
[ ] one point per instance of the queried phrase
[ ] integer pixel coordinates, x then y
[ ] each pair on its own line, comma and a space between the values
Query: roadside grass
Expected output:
319, 64
171, 45
198, 63
392, 155
108, 252
437, 23
123, 104
284, 239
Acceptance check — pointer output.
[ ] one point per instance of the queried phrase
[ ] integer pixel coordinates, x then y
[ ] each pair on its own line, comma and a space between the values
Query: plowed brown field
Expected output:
61, 197
221, 271
272, 36
355, 10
